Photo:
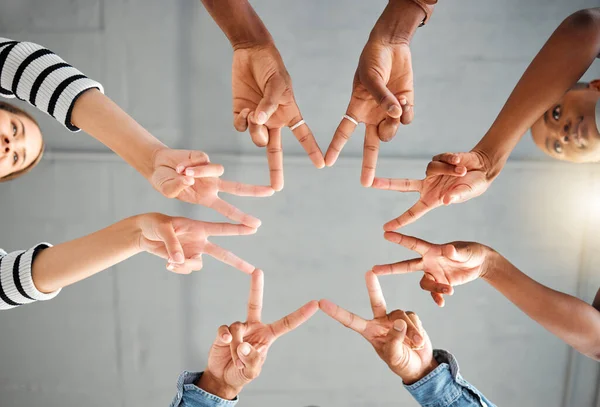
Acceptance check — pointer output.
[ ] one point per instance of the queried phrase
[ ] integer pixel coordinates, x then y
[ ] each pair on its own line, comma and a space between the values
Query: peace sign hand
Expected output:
182, 241
450, 178
398, 337
240, 349
445, 265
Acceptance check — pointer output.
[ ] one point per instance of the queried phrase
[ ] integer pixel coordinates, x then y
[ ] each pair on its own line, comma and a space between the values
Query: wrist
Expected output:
413, 378
132, 230
211, 384
398, 22
493, 266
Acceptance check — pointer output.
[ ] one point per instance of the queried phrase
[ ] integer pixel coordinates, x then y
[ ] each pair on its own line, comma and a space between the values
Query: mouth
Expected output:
579, 135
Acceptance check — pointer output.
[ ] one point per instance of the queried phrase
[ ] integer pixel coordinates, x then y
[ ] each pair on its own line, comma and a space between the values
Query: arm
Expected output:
191, 395
567, 317
560, 63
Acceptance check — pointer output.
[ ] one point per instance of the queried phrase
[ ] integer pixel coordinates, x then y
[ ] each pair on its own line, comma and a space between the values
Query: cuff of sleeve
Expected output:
188, 394
25, 269
68, 98
427, 6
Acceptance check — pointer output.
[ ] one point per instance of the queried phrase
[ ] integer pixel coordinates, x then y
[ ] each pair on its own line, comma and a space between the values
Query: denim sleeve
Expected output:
445, 387
189, 395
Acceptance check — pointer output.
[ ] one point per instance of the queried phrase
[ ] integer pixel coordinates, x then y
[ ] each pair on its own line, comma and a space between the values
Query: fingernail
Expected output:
197, 256
170, 266
399, 327
188, 181
445, 290
417, 338
189, 172
239, 364
407, 108
394, 110
261, 118
178, 258
460, 169
262, 349
180, 168
245, 349
226, 337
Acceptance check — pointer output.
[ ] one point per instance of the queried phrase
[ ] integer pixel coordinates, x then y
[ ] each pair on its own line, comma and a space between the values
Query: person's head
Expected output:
21, 143
568, 130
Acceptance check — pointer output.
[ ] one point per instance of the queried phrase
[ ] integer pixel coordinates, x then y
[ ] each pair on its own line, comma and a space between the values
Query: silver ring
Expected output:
351, 119
295, 126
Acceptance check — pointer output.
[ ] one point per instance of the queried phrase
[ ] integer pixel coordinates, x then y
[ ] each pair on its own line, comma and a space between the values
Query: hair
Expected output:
15, 110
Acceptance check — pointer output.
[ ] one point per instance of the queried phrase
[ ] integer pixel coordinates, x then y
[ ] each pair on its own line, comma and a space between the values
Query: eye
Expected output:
14, 129
15, 158
558, 147
556, 113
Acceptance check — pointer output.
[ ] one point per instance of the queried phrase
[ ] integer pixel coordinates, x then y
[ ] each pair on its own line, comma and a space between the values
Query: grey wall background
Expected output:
122, 337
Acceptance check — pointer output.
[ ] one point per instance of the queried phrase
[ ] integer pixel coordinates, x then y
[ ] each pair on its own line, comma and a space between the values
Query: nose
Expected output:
5, 144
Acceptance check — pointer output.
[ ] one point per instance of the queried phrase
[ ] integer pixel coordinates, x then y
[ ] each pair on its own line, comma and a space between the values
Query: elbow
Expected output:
585, 24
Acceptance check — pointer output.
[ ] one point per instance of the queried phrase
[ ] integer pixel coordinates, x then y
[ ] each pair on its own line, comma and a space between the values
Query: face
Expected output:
20, 142
568, 131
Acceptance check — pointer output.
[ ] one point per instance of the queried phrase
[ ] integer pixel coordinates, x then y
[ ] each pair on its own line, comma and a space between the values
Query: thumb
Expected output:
166, 233
386, 99
460, 193
396, 353
171, 187
461, 254
270, 101
251, 360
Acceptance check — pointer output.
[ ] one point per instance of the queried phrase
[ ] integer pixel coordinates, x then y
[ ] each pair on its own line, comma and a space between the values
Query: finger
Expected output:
258, 132
269, 104
400, 185
233, 213
237, 330
167, 235
223, 336
413, 334
403, 267
189, 266
410, 242
173, 186
428, 283
438, 299
240, 121
408, 114
375, 295
239, 189
415, 212
341, 136
227, 257
395, 350
205, 170
448, 158
250, 360
227, 229
461, 254
295, 319
370, 152
275, 159
194, 158
255, 300
309, 143
441, 168
346, 318
384, 97
387, 128
419, 326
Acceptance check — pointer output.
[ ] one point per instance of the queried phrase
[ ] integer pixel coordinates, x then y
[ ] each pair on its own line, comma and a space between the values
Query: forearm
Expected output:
567, 317
189, 394
104, 120
70, 262
557, 67
398, 22
240, 23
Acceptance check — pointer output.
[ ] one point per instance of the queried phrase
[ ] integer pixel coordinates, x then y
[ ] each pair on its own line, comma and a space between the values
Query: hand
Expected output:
190, 177
398, 337
183, 241
444, 265
264, 103
382, 98
450, 178
239, 351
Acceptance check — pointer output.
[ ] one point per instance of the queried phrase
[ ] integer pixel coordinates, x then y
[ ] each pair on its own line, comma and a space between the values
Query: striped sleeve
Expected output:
35, 74
16, 284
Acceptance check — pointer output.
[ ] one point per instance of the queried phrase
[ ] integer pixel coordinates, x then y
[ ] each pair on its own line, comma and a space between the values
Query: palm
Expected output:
436, 189
455, 272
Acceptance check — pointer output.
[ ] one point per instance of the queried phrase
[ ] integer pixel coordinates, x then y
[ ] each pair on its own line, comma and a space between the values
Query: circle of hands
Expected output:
263, 103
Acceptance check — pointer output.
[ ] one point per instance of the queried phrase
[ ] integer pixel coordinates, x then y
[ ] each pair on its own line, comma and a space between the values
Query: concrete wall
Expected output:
122, 337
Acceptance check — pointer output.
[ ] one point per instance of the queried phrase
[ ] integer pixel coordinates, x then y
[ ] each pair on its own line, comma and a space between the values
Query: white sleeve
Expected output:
16, 284
35, 74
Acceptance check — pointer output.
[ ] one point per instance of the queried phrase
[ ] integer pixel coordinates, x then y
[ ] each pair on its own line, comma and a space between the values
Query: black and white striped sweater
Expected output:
35, 74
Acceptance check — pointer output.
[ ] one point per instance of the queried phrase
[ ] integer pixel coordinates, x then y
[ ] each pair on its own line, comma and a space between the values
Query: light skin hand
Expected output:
444, 265
190, 177
182, 241
450, 178
264, 103
240, 349
398, 337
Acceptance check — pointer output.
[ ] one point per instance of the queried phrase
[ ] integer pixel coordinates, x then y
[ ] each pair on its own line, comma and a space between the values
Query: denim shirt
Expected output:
443, 387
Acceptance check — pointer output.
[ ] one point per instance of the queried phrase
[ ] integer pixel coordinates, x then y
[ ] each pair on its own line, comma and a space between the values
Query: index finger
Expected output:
411, 215
346, 318
255, 300
239, 189
370, 153
233, 213
375, 295
413, 243
295, 319
309, 143
341, 136
402, 267
400, 185
275, 159
227, 229
227, 257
